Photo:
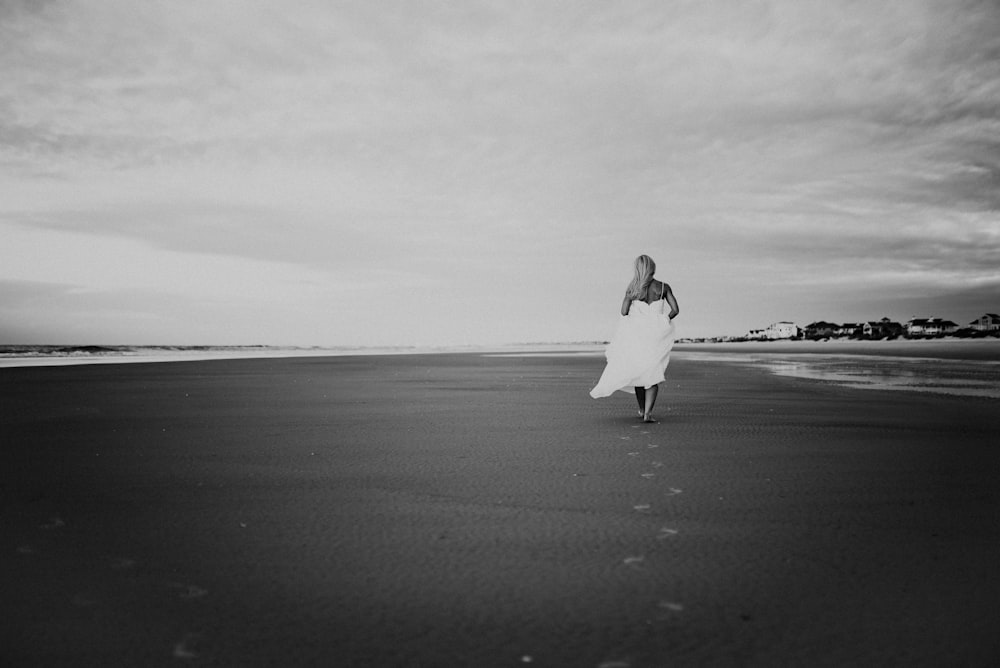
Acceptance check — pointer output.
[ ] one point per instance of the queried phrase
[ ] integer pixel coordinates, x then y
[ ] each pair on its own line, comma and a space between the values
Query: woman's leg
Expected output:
640, 397
651, 393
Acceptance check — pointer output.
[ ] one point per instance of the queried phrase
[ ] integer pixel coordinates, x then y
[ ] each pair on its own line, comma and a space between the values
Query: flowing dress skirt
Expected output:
639, 350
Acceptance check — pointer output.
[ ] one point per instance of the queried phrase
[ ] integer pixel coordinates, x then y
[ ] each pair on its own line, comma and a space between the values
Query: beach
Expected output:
482, 510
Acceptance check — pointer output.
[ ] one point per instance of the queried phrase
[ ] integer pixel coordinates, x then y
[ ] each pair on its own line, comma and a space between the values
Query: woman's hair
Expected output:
644, 269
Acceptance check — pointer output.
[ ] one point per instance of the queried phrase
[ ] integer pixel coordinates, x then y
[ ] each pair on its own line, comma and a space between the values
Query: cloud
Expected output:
441, 143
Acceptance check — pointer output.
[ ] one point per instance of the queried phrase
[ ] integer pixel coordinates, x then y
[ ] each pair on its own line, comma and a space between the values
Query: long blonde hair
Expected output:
644, 269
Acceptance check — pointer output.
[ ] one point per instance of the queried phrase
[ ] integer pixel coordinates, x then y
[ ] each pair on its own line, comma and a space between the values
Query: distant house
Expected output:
757, 334
781, 330
917, 327
881, 329
849, 329
989, 322
820, 329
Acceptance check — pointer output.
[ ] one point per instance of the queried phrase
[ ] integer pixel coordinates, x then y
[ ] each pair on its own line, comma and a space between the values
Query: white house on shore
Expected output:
777, 330
989, 322
781, 330
930, 327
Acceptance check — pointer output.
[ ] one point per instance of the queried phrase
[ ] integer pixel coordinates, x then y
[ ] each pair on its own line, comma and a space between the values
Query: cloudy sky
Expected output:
324, 173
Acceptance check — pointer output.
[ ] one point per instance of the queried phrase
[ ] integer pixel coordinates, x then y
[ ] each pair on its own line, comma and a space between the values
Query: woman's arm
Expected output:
674, 308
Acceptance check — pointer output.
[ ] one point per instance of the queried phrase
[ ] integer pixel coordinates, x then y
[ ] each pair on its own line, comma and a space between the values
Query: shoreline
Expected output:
948, 348
154, 354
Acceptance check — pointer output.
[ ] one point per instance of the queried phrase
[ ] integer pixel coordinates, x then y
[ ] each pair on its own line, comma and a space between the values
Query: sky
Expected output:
467, 173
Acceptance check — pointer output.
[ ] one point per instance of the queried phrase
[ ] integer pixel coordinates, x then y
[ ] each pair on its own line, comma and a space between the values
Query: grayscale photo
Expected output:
499, 334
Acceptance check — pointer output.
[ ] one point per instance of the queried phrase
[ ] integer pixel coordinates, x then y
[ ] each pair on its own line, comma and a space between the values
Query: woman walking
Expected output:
640, 348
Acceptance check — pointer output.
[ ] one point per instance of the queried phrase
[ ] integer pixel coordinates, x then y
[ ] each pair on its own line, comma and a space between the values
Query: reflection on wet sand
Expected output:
959, 377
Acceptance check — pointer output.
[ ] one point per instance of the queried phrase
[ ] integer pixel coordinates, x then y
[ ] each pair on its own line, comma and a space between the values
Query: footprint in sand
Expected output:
25, 549
633, 562
656, 465
674, 491
652, 445
642, 507
183, 649
670, 606
647, 476
53, 523
666, 533
633, 454
625, 438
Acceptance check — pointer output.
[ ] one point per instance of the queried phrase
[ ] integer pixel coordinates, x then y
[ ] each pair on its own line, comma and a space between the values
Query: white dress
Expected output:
639, 351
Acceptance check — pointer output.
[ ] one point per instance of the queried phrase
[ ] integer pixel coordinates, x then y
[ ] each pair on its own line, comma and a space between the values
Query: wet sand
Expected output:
985, 349
442, 510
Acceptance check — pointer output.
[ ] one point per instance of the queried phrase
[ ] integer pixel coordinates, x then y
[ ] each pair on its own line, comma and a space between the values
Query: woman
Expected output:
640, 348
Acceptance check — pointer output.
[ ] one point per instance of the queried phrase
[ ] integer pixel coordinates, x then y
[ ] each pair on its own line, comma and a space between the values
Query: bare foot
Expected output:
648, 418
